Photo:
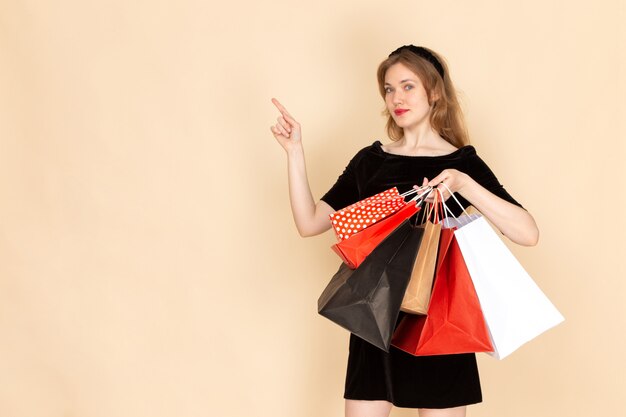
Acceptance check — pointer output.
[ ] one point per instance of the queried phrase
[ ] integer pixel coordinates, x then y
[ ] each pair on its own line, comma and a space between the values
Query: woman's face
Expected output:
404, 91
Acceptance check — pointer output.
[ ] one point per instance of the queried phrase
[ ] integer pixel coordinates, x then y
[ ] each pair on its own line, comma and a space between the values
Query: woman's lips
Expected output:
400, 112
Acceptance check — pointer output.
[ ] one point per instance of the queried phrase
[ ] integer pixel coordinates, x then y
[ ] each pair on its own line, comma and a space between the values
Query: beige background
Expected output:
149, 264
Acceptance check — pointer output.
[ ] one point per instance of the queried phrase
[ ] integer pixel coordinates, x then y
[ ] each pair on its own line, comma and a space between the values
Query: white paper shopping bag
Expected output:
515, 309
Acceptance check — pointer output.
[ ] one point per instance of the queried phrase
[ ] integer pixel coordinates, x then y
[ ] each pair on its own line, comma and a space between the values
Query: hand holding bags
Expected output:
366, 300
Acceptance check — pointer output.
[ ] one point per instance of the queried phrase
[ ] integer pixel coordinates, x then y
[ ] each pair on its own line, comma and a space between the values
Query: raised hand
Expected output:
287, 130
311, 218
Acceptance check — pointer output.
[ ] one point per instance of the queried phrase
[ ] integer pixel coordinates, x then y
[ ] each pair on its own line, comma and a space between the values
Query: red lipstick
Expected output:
399, 112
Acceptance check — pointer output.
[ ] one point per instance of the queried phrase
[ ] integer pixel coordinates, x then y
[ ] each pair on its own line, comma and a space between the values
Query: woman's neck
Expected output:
427, 142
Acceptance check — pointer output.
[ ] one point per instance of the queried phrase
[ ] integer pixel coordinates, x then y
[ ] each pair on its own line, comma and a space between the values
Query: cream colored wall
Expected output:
149, 264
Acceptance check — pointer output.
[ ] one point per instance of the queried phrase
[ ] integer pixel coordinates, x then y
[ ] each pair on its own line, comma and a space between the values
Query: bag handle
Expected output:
419, 196
436, 208
443, 203
455, 199
414, 190
429, 211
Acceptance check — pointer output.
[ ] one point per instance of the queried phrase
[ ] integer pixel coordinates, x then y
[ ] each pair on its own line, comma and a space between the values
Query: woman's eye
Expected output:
388, 89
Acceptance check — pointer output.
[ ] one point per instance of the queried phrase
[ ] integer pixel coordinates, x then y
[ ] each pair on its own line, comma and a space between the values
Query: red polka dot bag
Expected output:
353, 251
362, 214
368, 222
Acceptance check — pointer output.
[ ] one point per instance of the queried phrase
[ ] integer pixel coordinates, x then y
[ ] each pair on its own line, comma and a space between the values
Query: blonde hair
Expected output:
446, 117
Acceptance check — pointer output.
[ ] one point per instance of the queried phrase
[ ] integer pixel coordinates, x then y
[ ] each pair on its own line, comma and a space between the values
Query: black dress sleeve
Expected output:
345, 191
482, 174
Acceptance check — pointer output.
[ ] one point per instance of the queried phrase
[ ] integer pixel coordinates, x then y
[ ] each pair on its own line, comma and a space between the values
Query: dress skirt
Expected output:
441, 381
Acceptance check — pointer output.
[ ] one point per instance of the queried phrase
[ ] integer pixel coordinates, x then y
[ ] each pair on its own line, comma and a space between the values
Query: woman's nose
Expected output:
397, 98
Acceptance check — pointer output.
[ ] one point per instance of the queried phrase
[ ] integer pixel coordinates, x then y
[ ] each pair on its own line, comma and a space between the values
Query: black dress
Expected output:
405, 380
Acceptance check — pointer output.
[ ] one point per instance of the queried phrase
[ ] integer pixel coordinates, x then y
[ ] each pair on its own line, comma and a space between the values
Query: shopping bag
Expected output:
515, 309
362, 214
366, 300
470, 213
354, 250
454, 322
418, 292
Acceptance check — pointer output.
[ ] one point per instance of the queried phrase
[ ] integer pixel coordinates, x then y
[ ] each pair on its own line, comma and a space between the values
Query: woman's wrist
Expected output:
295, 150
468, 186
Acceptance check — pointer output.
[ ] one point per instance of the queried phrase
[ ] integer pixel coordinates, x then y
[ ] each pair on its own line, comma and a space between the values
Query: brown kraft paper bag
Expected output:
417, 295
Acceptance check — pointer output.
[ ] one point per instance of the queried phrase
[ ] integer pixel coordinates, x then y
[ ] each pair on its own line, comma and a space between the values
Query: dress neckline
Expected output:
378, 144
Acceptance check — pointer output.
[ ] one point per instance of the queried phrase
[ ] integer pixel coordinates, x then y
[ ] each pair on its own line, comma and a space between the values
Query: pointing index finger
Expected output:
280, 107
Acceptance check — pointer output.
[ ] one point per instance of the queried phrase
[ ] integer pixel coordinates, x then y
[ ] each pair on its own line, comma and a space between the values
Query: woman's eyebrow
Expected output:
403, 81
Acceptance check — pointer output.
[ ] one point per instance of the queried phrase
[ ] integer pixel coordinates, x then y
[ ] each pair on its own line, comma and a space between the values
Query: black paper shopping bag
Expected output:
366, 300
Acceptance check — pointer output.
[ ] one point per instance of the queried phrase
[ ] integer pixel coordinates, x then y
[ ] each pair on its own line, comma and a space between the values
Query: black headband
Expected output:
424, 53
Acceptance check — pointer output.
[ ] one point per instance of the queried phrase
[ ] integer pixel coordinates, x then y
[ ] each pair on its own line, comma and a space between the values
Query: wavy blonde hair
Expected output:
446, 116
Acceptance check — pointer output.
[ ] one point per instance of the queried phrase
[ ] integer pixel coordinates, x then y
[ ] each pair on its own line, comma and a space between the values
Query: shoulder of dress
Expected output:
372, 149
467, 150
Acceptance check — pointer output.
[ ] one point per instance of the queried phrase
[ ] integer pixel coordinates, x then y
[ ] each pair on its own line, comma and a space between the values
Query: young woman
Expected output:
429, 147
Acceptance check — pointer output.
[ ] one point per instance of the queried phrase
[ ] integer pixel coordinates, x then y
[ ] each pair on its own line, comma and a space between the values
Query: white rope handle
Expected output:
421, 197
455, 199
443, 203
414, 190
